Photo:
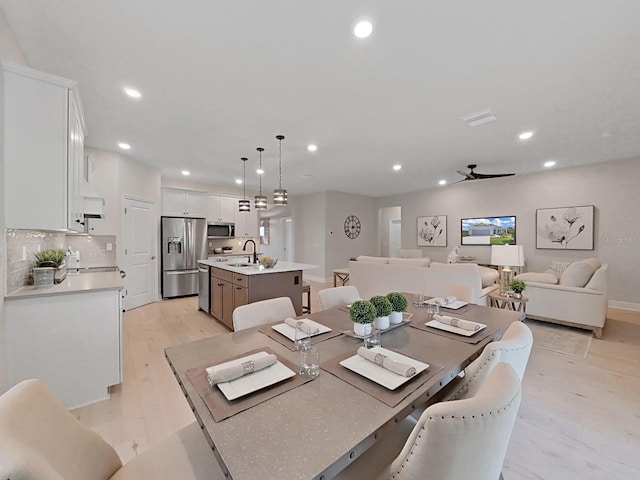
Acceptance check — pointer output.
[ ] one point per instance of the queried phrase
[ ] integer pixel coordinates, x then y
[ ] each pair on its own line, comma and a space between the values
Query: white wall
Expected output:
612, 187
9, 51
309, 215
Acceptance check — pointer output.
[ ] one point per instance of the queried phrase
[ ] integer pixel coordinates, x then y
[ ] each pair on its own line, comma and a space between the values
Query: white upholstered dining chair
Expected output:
40, 439
457, 440
463, 293
263, 312
338, 296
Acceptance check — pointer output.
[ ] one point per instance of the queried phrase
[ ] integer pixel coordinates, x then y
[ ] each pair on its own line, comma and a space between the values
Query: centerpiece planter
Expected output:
362, 314
48, 268
383, 310
398, 305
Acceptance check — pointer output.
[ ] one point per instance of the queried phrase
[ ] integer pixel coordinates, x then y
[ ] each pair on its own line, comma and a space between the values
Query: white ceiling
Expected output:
220, 78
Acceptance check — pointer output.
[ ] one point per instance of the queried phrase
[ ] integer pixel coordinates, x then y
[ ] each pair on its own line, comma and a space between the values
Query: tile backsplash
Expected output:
22, 245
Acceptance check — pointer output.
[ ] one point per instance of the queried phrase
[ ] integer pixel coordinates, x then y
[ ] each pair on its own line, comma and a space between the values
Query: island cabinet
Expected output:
230, 290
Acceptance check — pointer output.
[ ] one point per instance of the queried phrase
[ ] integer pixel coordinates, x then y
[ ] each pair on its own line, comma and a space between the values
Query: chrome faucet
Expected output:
255, 254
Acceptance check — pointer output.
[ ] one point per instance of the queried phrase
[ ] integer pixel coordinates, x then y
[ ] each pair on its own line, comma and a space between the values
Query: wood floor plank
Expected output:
579, 418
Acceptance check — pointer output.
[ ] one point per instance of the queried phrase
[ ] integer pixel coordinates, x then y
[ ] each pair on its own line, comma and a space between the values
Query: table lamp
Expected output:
506, 256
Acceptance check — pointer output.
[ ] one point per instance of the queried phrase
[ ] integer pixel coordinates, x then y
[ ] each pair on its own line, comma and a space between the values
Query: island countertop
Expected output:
259, 269
84, 282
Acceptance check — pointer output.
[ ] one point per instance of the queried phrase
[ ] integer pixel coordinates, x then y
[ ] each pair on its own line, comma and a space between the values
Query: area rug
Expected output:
561, 339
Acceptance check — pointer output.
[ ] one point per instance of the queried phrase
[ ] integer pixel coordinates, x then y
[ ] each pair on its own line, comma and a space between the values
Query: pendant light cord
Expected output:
280, 138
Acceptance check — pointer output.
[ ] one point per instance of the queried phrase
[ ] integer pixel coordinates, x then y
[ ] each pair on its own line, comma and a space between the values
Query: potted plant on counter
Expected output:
398, 305
48, 266
517, 286
362, 314
383, 310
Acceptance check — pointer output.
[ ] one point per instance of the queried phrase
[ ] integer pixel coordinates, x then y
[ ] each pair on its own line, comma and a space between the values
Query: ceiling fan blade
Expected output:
465, 174
492, 175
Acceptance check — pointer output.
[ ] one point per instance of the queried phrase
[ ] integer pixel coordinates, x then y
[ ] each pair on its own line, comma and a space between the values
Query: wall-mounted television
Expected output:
488, 231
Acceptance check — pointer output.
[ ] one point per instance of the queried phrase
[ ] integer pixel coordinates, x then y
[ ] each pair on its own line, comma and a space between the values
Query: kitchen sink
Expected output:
240, 264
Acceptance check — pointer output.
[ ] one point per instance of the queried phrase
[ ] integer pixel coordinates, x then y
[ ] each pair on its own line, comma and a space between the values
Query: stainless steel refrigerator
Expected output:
183, 242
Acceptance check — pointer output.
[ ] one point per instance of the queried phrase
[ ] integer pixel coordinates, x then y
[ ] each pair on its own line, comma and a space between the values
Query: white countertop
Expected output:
258, 269
84, 282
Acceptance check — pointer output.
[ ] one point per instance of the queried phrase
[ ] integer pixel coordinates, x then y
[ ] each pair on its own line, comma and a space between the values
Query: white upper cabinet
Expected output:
178, 202
43, 150
220, 209
246, 222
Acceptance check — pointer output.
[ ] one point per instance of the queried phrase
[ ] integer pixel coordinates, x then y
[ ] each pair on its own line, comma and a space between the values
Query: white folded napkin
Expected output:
386, 362
444, 300
305, 326
458, 322
216, 375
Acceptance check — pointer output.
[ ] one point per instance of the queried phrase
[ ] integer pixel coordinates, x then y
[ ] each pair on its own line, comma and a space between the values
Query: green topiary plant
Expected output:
49, 258
398, 301
382, 305
362, 311
517, 285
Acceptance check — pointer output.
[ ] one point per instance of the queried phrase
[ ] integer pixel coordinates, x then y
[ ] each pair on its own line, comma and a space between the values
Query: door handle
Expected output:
153, 257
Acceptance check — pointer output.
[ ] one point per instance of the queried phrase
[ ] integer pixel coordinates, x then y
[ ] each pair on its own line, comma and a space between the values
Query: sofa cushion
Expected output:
600, 279
577, 274
549, 278
366, 258
594, 262
557, 267
467, 267
489, 276
415, 262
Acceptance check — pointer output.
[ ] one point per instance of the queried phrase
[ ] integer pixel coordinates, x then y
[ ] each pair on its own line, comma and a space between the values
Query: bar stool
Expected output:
306, 289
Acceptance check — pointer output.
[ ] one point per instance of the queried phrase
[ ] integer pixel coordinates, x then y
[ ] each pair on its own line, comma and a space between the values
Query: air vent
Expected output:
480, 118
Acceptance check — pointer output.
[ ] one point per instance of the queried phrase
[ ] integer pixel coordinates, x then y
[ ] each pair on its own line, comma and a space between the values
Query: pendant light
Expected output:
244, 205
280, 194
260, 200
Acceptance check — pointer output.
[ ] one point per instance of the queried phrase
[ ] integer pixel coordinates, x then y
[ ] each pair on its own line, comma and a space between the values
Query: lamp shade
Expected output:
507, 255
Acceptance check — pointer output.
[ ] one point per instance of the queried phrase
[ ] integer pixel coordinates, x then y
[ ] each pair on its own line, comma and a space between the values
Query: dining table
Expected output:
303, 428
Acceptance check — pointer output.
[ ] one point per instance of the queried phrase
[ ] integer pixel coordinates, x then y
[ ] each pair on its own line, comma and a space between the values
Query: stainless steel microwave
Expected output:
221, 230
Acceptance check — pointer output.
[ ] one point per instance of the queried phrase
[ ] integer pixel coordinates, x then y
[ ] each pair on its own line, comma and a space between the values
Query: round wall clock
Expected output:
352, 226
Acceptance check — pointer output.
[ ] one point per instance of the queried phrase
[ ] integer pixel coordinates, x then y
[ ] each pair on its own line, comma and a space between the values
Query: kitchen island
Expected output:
238, 283
68, 335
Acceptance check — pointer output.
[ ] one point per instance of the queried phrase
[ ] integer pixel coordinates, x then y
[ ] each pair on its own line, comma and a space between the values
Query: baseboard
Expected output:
313, 278
629, 315
625, 305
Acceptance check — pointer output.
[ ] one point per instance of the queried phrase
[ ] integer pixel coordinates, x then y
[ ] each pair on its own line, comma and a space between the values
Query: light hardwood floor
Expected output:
579, 419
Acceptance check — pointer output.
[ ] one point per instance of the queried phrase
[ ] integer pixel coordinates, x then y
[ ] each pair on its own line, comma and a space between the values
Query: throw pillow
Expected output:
488, 275
414, 262
549, 278
577, 274
557, 267
594, 262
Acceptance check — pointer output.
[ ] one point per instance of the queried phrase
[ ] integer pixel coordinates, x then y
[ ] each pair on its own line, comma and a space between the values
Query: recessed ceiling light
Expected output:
397, 167
363, 29
239, 181
124, 146
312, 148
132, 92
259, 171
186, 172
442, 182
550, 163
525, 135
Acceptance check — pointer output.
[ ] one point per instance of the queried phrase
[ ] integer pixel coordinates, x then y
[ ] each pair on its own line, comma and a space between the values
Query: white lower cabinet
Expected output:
72, 342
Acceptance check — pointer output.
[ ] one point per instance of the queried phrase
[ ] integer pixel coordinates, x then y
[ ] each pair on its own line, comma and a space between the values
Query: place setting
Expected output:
230, 386
386, 375
457, 328
292, 331
434, 304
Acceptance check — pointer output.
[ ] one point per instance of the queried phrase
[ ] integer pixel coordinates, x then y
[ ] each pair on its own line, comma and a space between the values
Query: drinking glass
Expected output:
433, 309
418, 300
302, 338
309, 362
372, 339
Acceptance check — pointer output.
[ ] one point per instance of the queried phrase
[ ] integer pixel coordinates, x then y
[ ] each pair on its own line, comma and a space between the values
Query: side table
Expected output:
341, 274
498, 300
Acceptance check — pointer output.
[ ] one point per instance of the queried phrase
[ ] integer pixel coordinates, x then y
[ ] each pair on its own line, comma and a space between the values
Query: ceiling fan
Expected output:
471, 175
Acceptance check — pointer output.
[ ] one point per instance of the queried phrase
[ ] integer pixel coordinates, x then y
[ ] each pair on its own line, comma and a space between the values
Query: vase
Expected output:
361, 329
517, 296
381, 323
395, 317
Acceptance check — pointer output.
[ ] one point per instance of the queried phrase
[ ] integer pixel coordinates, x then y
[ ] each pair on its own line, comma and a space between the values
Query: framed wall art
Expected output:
432, 231
488, 230
565, 228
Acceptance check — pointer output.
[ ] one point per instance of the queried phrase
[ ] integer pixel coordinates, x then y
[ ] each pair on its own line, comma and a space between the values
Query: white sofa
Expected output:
381, 275
575, 295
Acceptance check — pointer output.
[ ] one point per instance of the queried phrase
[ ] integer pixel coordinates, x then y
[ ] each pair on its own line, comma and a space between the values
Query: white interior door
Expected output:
395, 237
287, 243
140, 232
